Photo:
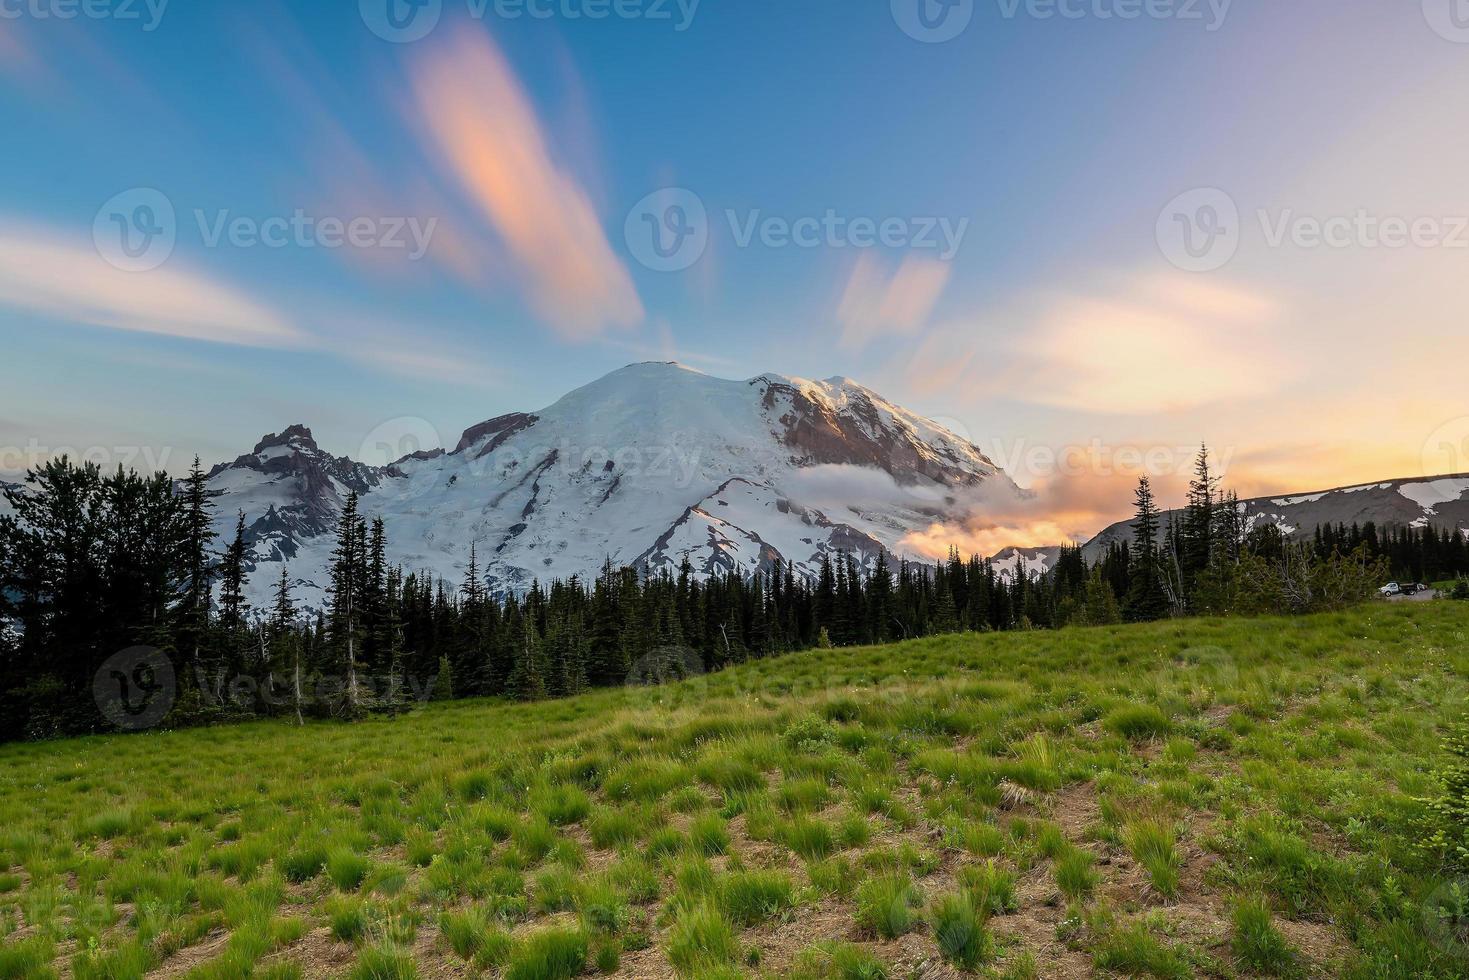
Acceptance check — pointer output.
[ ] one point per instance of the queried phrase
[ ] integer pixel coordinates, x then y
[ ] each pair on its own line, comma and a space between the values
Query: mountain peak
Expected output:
654, 369
647, 465
296, 436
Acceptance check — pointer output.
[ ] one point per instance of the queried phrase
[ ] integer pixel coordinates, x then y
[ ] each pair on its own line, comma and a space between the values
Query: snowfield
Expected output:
648, 466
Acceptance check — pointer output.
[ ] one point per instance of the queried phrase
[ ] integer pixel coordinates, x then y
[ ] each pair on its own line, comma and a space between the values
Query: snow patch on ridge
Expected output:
1430, 495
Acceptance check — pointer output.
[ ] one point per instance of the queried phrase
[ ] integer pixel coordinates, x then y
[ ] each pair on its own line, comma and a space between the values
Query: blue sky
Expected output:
1056, 143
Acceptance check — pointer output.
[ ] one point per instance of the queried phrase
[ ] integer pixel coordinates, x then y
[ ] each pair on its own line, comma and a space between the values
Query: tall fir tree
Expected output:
1147, 598
348, 575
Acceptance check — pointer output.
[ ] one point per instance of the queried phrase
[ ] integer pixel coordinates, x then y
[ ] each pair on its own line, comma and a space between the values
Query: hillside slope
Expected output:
1082, 803
1440, 502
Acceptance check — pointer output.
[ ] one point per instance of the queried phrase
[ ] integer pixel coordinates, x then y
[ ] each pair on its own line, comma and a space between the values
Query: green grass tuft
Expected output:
346, 869
887, 906
1138, 722
700, 940
959, 929
1152, 844
1257, 944
550, 954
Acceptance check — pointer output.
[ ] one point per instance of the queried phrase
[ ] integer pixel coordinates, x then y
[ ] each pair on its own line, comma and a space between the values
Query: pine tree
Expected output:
527, 680
1146, 600
1101, 601
1197, 533
607, 663
880, 600
393, 638
193, 610
470, 654
285, 643
347, 580
374, 598
232, 604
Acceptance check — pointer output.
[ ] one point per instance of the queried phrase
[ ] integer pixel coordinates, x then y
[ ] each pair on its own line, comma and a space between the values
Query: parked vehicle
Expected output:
1391, 588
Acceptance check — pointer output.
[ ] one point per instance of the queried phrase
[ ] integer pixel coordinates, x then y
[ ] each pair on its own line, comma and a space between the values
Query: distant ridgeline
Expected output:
119, 597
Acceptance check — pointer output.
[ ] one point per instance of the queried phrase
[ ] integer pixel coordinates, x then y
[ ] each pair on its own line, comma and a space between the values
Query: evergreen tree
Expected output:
286, 643
527, 680
1199, 526
1101, 601
1146, 599
199, 535
348, 575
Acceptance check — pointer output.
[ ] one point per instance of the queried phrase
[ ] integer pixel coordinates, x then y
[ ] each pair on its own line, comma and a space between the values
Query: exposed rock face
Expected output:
490, 435
746, 528
856, 432
291, 485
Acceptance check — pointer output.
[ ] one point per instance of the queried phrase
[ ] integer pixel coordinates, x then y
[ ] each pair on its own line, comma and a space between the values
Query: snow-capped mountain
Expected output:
1440, 502
1036, 561
647, 466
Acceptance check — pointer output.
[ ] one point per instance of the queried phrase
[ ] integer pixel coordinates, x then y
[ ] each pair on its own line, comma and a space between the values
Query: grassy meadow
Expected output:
1211, 798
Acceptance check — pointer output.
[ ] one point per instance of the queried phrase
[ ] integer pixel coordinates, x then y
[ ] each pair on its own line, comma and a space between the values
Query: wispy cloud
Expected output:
876, 303
1154, 345
45, 274
1058, 509
1137, 345
406, 348
488, 138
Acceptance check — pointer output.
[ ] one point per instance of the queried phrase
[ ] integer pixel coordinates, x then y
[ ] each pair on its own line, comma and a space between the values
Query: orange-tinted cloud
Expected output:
1075, 491
485, 134
936, 540
875, 303
1156, 345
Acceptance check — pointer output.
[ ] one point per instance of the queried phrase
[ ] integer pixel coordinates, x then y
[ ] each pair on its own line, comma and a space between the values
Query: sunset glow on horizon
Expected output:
446, 227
